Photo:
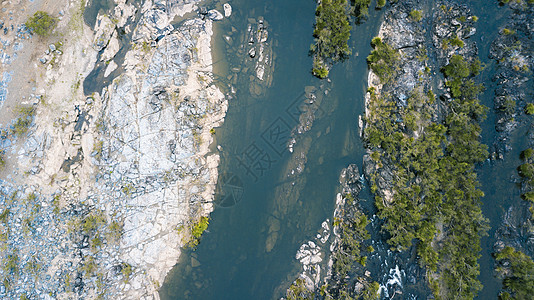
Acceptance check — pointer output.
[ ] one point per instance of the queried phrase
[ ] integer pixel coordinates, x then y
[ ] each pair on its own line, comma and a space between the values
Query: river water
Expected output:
234, 259
263, 217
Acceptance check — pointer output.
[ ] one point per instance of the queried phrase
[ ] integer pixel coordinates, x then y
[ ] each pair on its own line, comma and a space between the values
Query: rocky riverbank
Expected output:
119, 178
345, 242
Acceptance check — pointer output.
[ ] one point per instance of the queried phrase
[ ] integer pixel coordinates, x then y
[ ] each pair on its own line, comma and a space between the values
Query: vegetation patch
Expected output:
517, 271
89, 266
332, 32
383, 60
2, 159
115, 231
41, 23
526, 171
380, 3
23, 121
433, 166
127, 271
416, 15
298, 291
197, 229
4, 216
361, 8
350, 257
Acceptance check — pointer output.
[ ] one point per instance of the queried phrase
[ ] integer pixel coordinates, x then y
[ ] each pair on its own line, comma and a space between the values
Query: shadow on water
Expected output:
249, 249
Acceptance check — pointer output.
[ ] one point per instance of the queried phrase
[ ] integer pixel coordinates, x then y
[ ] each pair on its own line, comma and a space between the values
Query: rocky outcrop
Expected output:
120, 176
154, 138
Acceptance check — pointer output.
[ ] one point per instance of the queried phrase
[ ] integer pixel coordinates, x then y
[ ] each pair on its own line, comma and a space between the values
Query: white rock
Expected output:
215, 15
227, 10
112, 66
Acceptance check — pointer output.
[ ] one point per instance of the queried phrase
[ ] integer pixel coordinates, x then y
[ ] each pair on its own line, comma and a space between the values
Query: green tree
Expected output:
41, 23
416, 15
529, 109
332, 32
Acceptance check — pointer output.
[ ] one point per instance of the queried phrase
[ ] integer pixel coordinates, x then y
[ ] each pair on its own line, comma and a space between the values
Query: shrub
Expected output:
2, 159
24, 120
41, 23
196, 231
508, 106
115, 231
380, 3
529, 109
127, 271
200, 227
370, 290
33, 266
375, 156
456, 41
507, 31
528, 196
96, 243
517, 269
383, 60
298, 291
526, 170
321, 72
361, 9
11, 263
92, 222
4, 216
527, 154
89, 266
416, 15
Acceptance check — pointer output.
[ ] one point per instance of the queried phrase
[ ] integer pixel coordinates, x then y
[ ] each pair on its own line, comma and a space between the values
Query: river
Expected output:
232, 260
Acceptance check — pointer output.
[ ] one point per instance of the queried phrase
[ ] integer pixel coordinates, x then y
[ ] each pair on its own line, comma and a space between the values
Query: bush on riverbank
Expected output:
529, 109
526, 171
195, 231
361, 8
383, 60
